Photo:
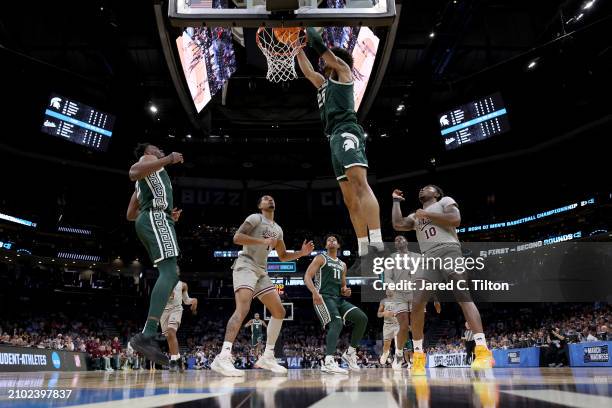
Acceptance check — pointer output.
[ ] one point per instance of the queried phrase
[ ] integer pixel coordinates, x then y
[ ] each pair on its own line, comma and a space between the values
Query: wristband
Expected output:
397, 200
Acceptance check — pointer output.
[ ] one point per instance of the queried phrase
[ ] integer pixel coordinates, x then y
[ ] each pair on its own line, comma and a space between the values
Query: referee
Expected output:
470, 344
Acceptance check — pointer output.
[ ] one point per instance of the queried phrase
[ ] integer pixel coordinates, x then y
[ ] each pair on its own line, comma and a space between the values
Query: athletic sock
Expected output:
175, 357
226, 350
329, 359
418, 345
375, 235
376, 239
166, 281
351, 350
362, 245
399, 353
479, 338
274, 328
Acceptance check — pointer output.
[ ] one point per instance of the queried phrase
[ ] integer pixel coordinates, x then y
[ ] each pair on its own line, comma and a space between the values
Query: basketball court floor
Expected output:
372, 388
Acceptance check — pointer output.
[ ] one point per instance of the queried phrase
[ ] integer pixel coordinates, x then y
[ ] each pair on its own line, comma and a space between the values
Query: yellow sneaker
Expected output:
418, 363
484, 358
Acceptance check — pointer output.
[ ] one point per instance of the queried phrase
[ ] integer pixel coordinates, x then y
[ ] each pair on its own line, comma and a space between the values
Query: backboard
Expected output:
257, 13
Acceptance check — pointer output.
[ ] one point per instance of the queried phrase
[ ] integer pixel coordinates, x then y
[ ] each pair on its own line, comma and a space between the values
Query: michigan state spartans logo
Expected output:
350, 142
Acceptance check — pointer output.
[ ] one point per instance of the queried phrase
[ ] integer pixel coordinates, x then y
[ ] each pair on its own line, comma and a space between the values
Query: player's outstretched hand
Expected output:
317, 299
307, 248
176, 214
175, 157
194, 306
398, 194
346, 291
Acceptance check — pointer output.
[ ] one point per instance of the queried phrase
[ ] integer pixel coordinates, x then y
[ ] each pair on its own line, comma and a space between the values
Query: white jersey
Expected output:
389, 307
175, 300
431, 235
262, 228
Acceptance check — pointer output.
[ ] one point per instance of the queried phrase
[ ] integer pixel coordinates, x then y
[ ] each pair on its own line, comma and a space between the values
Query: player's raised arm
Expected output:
400, 223
133, 208
316, 42
284, 256
306, 67
149, 164
314, 266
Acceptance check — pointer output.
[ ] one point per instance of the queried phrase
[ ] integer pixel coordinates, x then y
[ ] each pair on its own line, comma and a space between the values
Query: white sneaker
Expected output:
397, 363
351, 360
268, 362
224, 366
383, 358
330, 366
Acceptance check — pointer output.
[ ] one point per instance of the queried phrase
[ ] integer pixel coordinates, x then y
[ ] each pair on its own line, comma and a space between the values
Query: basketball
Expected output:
287, 35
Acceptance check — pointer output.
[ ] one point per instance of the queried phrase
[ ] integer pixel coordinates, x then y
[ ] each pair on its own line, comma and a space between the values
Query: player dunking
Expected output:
326, 280
256, 326
346, 137
171, 320
435, 225
258, 235
151, 207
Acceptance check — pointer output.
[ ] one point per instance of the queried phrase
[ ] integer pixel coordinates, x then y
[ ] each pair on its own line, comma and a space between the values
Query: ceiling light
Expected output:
153, 109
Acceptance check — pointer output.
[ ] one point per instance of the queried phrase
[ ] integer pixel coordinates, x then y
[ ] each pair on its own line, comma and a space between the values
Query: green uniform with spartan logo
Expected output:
346, 138
154, 225
328, 281
256, 332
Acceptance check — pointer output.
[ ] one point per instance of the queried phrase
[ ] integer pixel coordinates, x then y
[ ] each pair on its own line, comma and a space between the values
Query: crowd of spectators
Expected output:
550, 326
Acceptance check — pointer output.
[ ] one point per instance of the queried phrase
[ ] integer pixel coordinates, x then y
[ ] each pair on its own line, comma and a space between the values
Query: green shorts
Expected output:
347, 146
333, 307
255, 340
156, 231
409, 346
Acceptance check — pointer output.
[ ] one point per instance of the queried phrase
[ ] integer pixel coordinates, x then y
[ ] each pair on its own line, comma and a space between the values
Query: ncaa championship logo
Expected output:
55, 358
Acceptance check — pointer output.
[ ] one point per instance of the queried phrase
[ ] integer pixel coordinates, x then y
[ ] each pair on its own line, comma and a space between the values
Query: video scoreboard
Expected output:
474, 121
78, 123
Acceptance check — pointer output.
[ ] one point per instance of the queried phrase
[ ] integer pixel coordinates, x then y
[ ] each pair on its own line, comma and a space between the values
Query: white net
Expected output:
280, 46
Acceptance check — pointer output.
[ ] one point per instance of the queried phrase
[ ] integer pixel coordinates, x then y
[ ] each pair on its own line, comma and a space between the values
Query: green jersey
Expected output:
256, 328
337, 105
328, 279
154, 192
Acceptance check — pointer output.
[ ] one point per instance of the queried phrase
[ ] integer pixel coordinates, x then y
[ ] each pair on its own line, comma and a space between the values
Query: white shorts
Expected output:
171, 319
247, 275
390, 330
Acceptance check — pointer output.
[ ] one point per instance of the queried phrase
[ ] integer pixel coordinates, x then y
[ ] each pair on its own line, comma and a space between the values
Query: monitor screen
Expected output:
364, 55
78, 123
474, 121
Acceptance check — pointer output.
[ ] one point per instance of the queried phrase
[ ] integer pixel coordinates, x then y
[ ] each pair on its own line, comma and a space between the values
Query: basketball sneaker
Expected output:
267, 361
174, 366
351, 360
383, 358
418, 363
484, 358
224, 366
398, 363
330, 366
148, 347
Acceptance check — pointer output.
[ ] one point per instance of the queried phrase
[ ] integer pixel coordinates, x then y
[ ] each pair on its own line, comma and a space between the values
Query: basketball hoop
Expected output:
280, 46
